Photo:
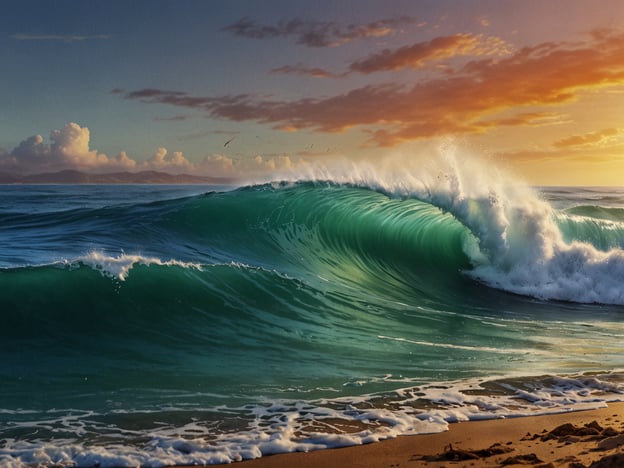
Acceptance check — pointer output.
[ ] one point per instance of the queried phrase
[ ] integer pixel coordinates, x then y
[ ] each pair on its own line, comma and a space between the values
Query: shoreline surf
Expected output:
579, 438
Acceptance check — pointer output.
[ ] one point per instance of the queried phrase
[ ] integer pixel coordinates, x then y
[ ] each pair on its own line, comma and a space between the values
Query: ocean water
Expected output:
154, 325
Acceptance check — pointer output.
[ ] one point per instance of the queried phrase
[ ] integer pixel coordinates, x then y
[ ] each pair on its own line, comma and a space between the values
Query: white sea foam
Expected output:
119, 267
281, 426
517, 245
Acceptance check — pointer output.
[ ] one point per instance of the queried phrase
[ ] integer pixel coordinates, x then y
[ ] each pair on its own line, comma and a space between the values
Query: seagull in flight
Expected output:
228, 142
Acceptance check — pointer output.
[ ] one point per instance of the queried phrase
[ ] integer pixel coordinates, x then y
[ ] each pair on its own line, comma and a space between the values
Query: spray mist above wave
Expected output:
520, 247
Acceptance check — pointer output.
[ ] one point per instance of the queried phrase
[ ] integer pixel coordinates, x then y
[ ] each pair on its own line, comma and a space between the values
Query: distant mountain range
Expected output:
78, 177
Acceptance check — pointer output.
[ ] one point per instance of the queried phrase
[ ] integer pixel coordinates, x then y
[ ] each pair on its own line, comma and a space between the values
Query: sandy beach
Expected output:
593, 438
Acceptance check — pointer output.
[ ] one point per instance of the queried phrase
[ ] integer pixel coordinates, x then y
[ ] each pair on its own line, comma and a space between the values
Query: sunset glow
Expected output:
243, 230
535, 87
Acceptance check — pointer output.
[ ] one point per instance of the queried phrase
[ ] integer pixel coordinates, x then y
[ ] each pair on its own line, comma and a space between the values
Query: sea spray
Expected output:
521, 248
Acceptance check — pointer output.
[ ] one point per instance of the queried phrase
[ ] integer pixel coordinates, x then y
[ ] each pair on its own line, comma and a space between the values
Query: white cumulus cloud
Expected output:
162, 161
68, 149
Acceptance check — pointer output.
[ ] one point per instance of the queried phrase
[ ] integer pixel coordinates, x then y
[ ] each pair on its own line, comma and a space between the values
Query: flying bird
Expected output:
228, 142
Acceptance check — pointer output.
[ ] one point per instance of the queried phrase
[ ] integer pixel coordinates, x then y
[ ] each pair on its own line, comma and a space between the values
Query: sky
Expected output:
245, 88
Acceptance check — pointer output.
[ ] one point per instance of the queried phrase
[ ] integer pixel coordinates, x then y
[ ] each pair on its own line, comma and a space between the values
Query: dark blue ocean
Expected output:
154, 325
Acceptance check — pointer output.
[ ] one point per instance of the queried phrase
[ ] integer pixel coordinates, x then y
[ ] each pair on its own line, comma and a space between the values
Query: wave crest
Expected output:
521, 246
119, 267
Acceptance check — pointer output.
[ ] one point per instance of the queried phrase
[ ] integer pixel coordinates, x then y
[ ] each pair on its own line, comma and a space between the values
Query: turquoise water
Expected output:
169, 324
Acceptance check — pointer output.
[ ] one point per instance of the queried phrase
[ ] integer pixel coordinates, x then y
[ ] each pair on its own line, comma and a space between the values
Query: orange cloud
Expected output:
598, 138
414, 56
585, 153
467, 101
417, 55
526, 119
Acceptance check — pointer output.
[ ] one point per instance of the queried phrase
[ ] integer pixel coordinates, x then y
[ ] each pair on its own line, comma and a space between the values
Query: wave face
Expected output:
161, 325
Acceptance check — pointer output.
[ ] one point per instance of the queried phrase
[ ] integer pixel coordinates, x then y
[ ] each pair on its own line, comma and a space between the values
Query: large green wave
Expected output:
342, 233
308, 247
304, 286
